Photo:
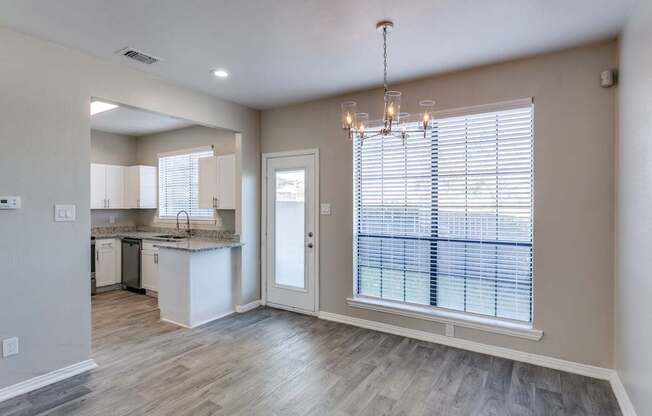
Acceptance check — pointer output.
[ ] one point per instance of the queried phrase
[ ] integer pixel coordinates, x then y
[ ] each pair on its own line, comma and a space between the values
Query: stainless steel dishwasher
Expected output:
131, 279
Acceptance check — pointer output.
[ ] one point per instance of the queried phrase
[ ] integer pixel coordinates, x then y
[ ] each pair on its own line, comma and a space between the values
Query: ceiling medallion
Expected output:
394, 123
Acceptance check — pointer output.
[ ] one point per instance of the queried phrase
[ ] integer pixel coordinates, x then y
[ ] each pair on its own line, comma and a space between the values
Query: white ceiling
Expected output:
134, 122
285, 51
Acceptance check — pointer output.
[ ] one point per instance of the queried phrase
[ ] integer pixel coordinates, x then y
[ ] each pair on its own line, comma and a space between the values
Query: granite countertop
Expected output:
139, 235
193, 244
196, 245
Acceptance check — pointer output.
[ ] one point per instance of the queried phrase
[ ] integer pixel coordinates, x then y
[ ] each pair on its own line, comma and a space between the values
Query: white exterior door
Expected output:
290, 232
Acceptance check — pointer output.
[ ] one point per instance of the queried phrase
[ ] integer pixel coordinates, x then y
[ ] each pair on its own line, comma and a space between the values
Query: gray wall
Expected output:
573, 191
633, 337
186, 138
45, 158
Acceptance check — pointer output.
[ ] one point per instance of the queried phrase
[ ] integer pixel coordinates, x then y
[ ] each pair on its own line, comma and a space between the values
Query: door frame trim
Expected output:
263, 223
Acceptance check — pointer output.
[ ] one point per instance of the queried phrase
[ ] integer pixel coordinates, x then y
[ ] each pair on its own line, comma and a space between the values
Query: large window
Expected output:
178, 184
446, 220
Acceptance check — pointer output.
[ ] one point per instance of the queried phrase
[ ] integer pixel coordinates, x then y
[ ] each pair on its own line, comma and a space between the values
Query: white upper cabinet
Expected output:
207, 182
119, 187
115, 186
217, 182
226, 182
140, 187
98, 186
107, 186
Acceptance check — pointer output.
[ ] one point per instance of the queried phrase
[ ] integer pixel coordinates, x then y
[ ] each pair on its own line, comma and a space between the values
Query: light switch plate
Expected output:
325, 209
65, 213
9, 346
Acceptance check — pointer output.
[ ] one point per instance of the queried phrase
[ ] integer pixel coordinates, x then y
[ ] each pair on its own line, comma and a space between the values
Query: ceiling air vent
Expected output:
138, 56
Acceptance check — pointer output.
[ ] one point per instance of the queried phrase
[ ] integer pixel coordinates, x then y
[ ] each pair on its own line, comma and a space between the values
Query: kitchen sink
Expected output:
170, 237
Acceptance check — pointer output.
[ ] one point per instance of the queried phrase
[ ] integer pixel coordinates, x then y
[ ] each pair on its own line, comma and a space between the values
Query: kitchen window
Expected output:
178, 184
445, 222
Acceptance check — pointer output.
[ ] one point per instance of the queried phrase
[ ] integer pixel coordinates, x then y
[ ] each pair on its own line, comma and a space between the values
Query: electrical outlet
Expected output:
9, 346
450, 330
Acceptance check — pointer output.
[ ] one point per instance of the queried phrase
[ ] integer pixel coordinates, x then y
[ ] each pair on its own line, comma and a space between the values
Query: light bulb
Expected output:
348, 119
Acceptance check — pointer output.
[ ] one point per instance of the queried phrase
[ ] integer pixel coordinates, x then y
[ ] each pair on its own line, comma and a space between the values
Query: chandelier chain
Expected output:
385, 85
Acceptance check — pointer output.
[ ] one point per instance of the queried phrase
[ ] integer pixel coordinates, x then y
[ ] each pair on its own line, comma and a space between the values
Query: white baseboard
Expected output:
204, 322
45, 379
536, 359
541, 360
626, 406
249, 306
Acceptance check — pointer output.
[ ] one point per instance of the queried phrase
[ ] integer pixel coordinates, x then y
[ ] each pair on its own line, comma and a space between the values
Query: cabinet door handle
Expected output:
155, 258
217, 202
97, 256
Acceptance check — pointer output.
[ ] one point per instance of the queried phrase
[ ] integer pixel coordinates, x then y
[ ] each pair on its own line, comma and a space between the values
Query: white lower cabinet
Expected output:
149, 267
107, 262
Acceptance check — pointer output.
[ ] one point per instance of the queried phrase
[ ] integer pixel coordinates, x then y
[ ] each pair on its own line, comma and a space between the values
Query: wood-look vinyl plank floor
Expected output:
277, 363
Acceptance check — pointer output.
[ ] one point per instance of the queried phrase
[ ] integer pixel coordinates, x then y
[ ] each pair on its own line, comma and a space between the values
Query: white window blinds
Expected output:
446, 220
178, 183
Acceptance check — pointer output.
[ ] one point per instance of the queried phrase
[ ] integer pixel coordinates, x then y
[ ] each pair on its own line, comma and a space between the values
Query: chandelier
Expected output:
394, 123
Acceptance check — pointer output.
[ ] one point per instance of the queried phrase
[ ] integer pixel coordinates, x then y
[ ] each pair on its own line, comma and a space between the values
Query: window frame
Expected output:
172, 219
507, 326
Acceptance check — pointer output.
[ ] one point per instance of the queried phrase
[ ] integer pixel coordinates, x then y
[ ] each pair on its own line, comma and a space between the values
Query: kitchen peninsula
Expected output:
197, 280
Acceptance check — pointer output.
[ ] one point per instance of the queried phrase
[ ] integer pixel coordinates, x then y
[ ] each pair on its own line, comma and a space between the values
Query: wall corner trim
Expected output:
535, 359
46, 379
626, 405
248, 307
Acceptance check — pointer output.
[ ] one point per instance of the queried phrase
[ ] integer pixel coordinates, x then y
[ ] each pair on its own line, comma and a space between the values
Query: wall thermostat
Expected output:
9, 202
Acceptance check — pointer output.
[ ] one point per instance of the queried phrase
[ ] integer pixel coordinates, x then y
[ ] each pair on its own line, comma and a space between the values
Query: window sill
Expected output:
182, 220
464, 320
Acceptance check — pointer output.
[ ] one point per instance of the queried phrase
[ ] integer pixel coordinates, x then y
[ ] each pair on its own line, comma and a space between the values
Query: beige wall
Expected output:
633, 337
186, 138
113, 149
45, 158
573, 191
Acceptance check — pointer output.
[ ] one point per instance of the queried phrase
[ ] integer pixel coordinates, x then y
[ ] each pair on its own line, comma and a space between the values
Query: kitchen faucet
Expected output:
187, 222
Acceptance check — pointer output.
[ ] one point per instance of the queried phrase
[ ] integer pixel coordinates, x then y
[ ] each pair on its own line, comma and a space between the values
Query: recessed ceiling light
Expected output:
220, 73
100, 107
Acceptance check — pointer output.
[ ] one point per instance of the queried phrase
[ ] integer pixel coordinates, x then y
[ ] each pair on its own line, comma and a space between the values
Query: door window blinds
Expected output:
446, 220
178, 184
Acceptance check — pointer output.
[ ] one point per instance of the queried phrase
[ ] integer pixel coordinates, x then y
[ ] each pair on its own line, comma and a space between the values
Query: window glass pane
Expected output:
179, 185
446, 218
290, 208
